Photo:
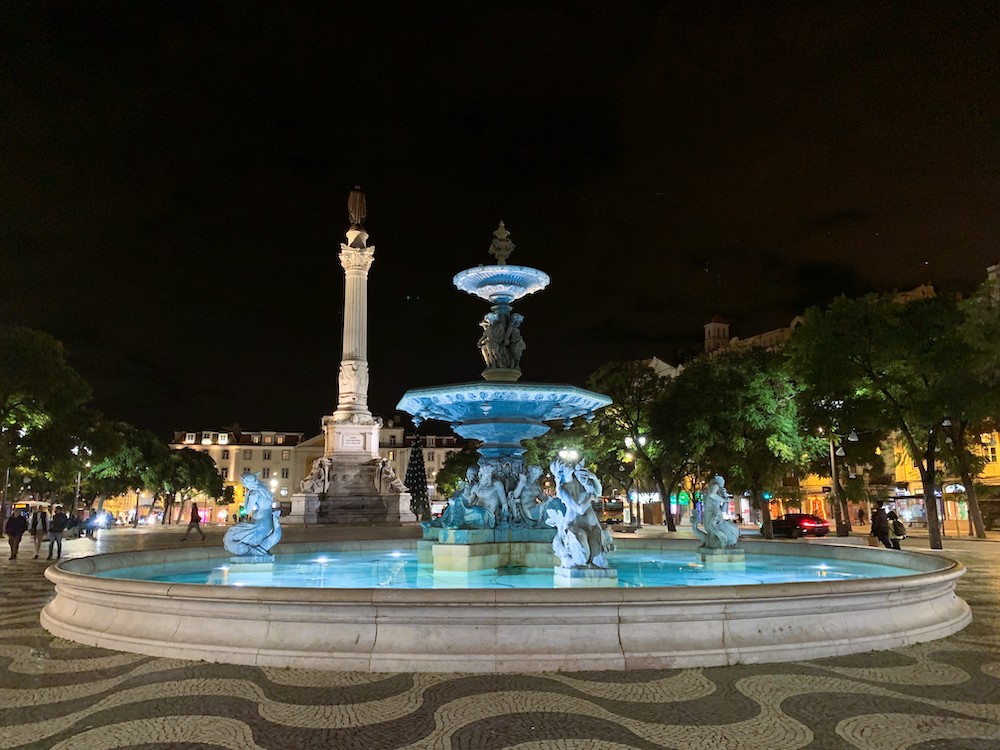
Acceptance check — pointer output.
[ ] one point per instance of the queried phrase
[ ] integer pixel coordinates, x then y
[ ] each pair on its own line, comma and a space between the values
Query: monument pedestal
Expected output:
727, 558
585, 578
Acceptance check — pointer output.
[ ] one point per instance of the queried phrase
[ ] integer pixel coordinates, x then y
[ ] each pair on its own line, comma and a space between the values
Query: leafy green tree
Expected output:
140, 461
192, 473
901, 361
38, 389
624, 426
746, 420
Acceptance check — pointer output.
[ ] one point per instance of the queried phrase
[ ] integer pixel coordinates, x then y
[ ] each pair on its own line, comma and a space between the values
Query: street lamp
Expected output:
842, 520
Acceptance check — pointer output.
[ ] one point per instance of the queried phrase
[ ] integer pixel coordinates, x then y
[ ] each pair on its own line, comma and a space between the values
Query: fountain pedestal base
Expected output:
723, 559
585, 578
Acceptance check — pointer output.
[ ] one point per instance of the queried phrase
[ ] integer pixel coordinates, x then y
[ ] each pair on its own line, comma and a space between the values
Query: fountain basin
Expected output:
506, 630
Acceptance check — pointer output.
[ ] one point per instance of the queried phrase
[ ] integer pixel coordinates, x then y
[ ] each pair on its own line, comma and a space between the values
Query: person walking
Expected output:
897, 530
39, 528
56, 528
15, 527
880, 526
195, 524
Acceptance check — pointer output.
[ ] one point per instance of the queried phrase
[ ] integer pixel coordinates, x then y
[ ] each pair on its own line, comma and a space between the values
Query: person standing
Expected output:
39, 528
861, 516
195, 523
897, 530
56, 528
880, 526
15, 527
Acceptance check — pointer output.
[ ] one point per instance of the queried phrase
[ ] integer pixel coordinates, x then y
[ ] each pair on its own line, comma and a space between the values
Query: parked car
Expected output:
794, 525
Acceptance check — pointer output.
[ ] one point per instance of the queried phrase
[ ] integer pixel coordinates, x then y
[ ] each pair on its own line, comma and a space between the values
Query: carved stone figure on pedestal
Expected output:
580, 542
514, 345
318, 479
388, 478
491, 342
489, 493
528, 502
718, 532
256, 537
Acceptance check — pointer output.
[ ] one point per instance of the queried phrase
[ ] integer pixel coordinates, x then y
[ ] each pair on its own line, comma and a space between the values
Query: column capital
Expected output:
357, 259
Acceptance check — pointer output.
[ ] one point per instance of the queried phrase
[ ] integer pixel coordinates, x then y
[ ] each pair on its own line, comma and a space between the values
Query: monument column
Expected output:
351, 429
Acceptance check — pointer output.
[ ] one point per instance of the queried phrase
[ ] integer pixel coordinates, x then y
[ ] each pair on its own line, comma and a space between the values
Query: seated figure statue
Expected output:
257, 536
528, 502
462, 512
718, 532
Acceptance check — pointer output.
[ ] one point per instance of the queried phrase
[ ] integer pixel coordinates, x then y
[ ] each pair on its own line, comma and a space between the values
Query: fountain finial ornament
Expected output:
501, 247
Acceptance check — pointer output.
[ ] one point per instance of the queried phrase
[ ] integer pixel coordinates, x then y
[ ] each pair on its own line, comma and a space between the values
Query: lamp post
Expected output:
841, 519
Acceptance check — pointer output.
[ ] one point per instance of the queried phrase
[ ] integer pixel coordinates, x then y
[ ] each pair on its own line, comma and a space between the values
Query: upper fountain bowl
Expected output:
501, 284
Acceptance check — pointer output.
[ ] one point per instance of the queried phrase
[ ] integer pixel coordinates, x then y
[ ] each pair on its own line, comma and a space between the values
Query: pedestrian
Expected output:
195, 524
897, 530
880, 526
39, 528
861, 516
15, 527
57, 526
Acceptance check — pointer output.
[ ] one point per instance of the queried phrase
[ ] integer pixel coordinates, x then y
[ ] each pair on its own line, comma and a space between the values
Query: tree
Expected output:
745, 419
624, 426
191, 473
416, 481
38, 388
140, 460
901, 361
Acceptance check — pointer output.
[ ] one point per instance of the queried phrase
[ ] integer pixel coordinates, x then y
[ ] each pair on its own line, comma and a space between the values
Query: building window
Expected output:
223, 470
268, 440
189, 437
281, 439
255, 439
284, 473
265, 472
246, 455
285, 455
431, 442
206, 438
267, 455
284, 492
991, 454
430, 455
223, 438
392, 440
225, 454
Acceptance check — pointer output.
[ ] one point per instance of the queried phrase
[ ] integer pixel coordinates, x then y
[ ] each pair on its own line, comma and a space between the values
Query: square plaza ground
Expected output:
943, 695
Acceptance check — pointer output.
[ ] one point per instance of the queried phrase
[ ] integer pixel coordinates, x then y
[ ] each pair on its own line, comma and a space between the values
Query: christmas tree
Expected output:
416, 481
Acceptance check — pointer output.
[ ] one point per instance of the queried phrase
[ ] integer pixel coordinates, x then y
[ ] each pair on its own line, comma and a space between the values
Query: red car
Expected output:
794, 525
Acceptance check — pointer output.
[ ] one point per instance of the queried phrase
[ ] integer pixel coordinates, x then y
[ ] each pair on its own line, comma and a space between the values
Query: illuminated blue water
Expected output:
400, 570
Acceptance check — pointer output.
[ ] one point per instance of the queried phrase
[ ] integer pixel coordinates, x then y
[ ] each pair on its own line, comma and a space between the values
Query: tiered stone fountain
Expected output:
500, 517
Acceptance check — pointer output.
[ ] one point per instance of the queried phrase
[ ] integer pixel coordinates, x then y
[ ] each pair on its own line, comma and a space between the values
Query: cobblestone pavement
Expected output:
943, 695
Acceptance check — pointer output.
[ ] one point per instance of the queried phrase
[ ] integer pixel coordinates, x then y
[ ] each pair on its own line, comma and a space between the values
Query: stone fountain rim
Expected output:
482, 630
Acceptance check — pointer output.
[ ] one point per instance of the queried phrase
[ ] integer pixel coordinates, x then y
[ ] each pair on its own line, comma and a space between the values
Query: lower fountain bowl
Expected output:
505, 630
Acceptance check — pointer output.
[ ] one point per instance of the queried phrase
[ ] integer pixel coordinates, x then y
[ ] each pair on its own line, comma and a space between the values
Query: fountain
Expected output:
490, 521
509, 580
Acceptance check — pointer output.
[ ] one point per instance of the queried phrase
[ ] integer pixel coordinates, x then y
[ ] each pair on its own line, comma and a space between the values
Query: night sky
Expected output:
174, 177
